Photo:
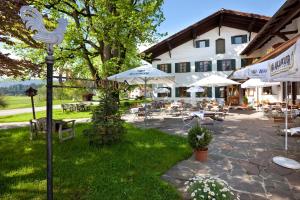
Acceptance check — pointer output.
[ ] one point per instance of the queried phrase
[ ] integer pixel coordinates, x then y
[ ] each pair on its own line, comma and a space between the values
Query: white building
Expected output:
281, 31
210, 46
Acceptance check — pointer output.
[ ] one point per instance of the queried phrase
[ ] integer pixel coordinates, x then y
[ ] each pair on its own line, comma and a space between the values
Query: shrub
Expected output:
203, 188
2, 102
108, 127
245, 100
199, 137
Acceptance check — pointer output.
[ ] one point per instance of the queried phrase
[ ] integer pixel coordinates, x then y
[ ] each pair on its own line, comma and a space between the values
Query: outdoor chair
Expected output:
187, 120
38, 126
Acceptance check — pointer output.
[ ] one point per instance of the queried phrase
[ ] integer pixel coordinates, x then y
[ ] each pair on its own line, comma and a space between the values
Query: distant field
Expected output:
25, 102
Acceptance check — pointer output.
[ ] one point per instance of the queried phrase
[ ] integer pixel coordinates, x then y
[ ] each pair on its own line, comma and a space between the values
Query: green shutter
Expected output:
170, 93
206, 43
244, 38
232, 64
217, 92
176, 67
197, 66
188, 67
158, 67
219, 65
197, 44
232, 40
209, 66
177, 92
169, 68
209, 92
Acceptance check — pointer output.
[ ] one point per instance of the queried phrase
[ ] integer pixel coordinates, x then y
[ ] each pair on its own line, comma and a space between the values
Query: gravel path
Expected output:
24, 110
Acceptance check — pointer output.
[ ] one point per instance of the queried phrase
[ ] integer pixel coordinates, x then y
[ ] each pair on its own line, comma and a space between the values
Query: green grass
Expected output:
14, 102
57, 114
131, 169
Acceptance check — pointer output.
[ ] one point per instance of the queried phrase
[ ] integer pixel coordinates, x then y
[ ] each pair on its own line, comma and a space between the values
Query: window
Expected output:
219, 92
267, 90
203, 66
239, 39
202, 43
165, 94
182, 92
165, 67
207, 93
246, 61
220, 46
226, 65
182, 67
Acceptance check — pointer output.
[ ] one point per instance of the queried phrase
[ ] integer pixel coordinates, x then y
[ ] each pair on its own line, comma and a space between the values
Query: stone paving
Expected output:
241, 154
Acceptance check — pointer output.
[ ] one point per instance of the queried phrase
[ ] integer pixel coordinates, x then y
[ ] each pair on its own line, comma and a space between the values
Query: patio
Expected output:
241, 153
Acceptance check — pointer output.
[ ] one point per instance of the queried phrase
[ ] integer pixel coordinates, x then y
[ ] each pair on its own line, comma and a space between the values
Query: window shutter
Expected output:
244, 38
170, 93
176, 67
209, 92
158, 67
177, 92
209, 66
219, 65
197, 66
217, 92
188, 67
220, 46
232, 64
197, 44
169, 68
232, 39
206, 43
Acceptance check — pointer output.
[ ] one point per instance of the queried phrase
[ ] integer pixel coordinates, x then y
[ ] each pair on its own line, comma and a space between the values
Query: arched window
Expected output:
220, 46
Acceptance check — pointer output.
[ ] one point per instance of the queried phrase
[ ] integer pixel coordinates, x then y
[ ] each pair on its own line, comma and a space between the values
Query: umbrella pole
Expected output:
286, 113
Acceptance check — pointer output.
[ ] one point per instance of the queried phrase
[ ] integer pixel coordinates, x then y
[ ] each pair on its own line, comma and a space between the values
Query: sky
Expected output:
180, 14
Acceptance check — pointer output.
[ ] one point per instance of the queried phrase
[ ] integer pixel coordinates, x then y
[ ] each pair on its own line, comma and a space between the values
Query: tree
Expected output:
11, 30
102, 35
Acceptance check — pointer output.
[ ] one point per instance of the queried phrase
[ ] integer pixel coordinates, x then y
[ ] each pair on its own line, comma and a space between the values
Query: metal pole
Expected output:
32, 105
145, 93
50, 62
286, 113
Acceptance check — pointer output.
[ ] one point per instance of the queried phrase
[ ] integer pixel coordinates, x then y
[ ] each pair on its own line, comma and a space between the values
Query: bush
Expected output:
108, 127
2, 102
199, 137
203, 188
245, 100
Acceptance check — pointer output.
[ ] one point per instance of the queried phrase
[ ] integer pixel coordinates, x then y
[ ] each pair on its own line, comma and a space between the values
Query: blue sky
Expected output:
182, 13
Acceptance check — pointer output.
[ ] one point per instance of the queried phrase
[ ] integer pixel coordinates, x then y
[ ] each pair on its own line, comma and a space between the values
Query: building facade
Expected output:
211, 46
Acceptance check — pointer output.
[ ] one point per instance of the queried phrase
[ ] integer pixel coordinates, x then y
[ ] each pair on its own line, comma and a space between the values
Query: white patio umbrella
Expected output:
214, 81
257, 83
145, 74
195, 89
161, 90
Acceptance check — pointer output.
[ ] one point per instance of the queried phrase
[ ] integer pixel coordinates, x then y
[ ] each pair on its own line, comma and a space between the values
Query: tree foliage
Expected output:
101, 38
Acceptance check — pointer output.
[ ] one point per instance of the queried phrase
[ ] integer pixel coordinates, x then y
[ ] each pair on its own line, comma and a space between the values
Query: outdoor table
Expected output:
135, 110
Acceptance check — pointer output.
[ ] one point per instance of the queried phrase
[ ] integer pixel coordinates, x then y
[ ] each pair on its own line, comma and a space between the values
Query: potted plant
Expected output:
199, 138
245, 101
206, 187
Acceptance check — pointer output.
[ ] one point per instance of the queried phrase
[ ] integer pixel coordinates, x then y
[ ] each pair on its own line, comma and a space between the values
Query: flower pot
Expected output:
201, 155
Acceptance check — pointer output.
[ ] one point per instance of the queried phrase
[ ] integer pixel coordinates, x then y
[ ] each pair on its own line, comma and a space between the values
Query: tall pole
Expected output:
49, 61
286, 114
33, 21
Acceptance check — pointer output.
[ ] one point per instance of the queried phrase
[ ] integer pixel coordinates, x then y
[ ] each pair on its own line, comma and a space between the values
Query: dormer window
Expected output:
202, 43
239, 39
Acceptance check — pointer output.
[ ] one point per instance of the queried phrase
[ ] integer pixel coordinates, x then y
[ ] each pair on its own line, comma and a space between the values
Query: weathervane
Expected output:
33, 21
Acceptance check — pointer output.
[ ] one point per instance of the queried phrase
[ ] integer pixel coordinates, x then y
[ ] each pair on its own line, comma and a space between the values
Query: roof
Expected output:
230, 18
280, 49
284, 16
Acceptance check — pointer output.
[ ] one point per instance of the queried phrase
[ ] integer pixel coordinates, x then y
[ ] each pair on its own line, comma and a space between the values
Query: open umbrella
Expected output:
214, 81
145, 74
195, 89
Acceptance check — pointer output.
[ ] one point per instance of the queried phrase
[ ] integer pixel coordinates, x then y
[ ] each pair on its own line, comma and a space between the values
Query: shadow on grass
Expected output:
130, 169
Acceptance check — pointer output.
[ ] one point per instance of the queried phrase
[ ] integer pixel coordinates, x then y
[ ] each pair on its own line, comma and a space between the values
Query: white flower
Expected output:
193, 194
214, 185
223, 195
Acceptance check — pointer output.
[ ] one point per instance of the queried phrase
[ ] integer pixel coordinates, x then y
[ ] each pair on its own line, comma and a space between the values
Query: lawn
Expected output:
57, 114
131, 169
14, 102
